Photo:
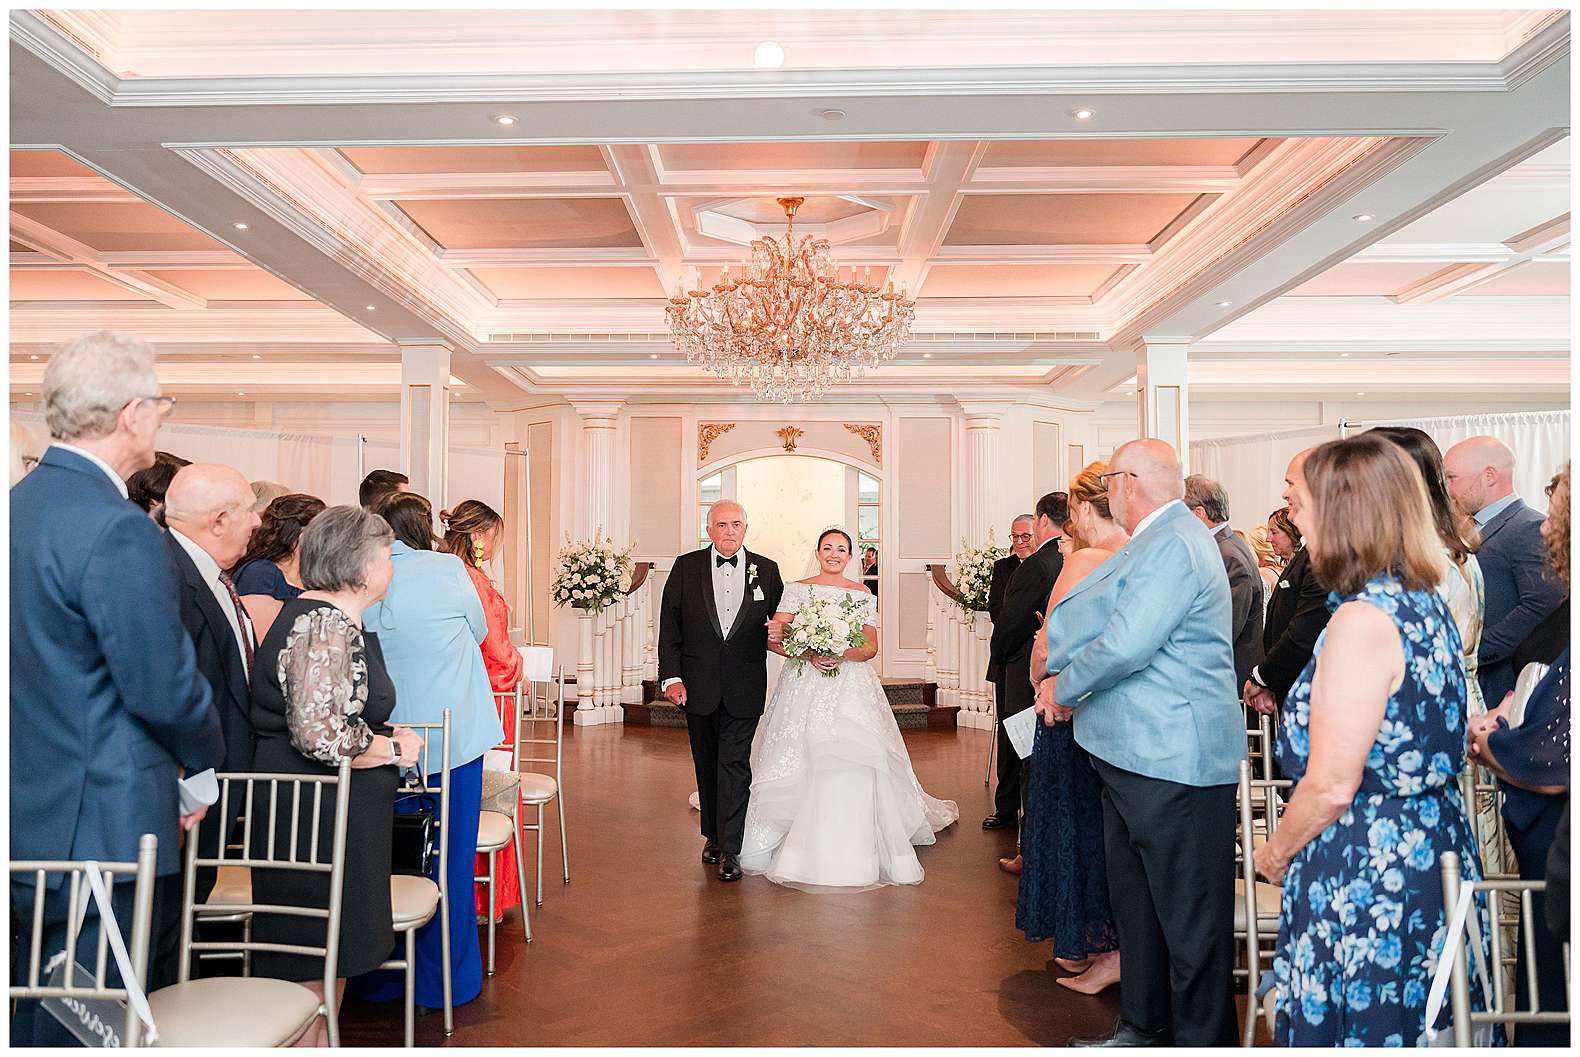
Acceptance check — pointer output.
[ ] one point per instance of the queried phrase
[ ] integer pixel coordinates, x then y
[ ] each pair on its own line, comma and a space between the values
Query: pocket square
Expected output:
757, 594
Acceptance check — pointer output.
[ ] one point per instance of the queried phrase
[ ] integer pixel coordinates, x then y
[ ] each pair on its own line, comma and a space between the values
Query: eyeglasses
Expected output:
1020, 537
1103, 477
164, 403
28, 462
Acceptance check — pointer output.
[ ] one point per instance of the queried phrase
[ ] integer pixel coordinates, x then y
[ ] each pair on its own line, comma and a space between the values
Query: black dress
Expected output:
320, 693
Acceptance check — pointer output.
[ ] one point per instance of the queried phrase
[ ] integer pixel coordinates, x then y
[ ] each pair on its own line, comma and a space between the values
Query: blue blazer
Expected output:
430, 624
1520, 593
1142, 653
106, 699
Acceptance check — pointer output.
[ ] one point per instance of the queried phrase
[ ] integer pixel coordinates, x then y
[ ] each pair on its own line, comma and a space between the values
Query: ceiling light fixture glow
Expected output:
1344, 355
927, 355
1083, 114
769, 56
1361, 393
256, 356
505, 120
1363, 218
832, 114
652, 355
1223, 304
371, 308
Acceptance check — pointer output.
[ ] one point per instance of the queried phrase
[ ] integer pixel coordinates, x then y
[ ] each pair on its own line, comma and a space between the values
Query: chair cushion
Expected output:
493, 831
537, 788
232, 1011
1269, 902
233, 885
412, 900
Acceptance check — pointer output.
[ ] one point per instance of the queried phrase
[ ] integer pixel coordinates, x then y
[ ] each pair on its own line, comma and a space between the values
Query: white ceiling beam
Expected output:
949, 165
73, 189
1523, 248
632, 166
72, 253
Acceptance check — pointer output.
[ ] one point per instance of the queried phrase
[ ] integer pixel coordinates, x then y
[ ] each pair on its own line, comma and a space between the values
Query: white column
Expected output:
598, 424
1162, 393
982, 421
425, 418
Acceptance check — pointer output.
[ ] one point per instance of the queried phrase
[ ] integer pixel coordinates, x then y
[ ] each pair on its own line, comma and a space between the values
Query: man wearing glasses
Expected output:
106, 703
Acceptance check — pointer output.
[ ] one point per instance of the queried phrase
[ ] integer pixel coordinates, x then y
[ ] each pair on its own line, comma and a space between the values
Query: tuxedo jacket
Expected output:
106, 701
1296, 614
1245, 598
1026, 596
720, 667
1520, 592
998, 587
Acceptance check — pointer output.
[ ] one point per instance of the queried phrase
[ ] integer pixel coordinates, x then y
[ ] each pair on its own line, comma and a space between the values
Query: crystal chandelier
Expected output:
792, 323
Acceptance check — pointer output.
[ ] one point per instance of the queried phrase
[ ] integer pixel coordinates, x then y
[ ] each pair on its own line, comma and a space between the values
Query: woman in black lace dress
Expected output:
320, 694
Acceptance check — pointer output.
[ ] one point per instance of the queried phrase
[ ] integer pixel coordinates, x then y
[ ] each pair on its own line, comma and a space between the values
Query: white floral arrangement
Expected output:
591, 574
824, 627
973, 574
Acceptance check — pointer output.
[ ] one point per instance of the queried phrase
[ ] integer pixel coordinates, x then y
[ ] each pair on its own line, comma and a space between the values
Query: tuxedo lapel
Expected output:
746, 595
219, 626
705, 584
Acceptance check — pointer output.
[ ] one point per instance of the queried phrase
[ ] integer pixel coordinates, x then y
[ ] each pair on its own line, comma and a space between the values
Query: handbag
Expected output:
412, 842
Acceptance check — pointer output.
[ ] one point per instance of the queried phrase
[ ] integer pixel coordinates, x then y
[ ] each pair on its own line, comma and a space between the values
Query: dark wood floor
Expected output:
647, 948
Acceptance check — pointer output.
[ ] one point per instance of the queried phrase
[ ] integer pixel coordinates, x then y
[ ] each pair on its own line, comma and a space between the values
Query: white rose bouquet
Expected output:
590, 574
973, 574
824, 627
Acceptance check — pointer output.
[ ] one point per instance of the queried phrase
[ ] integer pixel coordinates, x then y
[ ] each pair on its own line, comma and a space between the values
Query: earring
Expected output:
477, 550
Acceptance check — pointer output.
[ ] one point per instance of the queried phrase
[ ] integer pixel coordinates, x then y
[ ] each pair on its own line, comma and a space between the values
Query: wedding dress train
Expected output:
834, 801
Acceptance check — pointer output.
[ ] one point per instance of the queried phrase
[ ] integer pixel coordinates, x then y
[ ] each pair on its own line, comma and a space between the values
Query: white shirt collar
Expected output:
1146, 522
201, 558
1494, 508
109, 472
1219, 530
714, 556
1051, 539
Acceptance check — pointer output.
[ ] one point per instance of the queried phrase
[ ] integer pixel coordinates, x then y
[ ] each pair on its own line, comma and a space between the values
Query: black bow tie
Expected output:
719, 559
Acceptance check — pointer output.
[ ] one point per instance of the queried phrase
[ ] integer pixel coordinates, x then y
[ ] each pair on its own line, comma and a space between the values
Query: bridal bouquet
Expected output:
590, 574
824, 626
973, 574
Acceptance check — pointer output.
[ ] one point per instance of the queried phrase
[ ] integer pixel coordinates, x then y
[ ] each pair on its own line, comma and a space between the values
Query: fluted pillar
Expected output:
425, 418
1162, 393
598, 425
982, 421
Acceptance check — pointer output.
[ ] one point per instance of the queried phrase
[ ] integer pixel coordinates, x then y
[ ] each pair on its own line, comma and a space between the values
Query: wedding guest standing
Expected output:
1063, 880
1531, 760
1297, 611
1268, 563
1520, 592
471, 533
147, 486
106, 702
1373, 737
1021, 534
321, 695
430, 624
1210, 503
269, 574
266, 492
24, 451
1141, 652
1009, 650
379, 485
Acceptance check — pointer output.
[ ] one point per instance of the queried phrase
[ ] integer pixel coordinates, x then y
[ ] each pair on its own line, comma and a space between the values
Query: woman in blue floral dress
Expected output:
1373, 735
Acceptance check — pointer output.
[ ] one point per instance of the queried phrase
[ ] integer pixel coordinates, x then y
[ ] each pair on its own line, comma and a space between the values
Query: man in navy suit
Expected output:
107, 707
1520, 593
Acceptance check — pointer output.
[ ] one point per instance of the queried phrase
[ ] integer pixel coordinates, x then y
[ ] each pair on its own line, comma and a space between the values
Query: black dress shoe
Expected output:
997, 822
729, 868
1124, 1034
710, 853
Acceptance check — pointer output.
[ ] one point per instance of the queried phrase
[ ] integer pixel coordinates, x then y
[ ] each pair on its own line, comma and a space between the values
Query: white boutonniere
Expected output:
751, 573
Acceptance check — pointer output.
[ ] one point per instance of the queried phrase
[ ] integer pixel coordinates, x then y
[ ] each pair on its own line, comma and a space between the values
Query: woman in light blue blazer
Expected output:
429, 624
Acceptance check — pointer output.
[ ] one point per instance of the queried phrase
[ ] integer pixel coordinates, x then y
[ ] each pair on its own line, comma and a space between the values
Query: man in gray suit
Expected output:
1210, 503
1520, 593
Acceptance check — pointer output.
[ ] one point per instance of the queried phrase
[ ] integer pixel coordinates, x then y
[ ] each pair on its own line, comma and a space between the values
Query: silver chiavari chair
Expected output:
501, 829
34, 984
251, 1010
1502, 1011
540, 746
415, 900
1258, 904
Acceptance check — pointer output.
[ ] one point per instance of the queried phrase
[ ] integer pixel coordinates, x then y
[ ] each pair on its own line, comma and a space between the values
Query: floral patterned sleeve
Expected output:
323, 672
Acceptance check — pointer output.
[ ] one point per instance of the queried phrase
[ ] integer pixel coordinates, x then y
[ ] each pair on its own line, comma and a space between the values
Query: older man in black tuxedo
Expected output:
1009, 651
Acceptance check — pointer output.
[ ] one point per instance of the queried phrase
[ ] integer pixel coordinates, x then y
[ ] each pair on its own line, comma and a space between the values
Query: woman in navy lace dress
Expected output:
1063, 883
1374, 738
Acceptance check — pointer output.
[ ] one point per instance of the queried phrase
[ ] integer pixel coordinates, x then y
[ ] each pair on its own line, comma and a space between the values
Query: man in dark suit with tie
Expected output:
1020, 548
1210, 503
1009, 650
107, 706
1296, 614
208, 510
1520, 592
712, 665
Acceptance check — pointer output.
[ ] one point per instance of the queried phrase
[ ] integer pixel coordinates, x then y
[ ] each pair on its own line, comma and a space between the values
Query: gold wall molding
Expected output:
707, 433
788, 436
873, 435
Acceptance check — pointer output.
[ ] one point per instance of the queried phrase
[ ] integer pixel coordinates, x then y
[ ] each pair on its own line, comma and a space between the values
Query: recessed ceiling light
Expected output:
505, 119
927, 355
1130, 392
1344, 355
769, 55
1223, 304
371, 308
256, 356
240, 225
27, 394
240, 393
832, 114
652, 355
34, 356
1362, 217
1083, 114
1361, 393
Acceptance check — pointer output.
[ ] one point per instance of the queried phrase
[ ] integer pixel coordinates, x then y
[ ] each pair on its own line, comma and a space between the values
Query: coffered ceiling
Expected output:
275, 188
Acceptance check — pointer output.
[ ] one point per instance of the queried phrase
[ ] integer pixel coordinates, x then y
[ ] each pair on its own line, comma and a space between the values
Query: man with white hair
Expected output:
1520, 593
1141, 654
107, 706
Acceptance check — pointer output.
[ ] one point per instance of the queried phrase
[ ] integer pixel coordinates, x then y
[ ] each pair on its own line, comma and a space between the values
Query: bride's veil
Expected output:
814, 567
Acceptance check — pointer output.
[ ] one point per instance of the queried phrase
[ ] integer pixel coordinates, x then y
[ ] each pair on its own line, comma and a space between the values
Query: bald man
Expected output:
1520, 592
1143, 662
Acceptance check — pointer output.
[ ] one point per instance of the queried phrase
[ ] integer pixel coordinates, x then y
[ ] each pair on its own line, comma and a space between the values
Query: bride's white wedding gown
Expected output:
834, 802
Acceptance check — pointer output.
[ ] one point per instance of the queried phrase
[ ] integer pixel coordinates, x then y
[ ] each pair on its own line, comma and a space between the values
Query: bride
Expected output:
834, 802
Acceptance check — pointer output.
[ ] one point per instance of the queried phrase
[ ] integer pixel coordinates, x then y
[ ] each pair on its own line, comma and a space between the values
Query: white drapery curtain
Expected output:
1251, 468
321, 465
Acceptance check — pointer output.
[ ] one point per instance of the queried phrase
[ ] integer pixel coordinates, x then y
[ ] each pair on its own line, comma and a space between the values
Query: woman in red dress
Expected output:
472, 531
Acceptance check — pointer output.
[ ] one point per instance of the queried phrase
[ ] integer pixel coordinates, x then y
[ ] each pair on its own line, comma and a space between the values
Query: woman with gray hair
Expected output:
320, 694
